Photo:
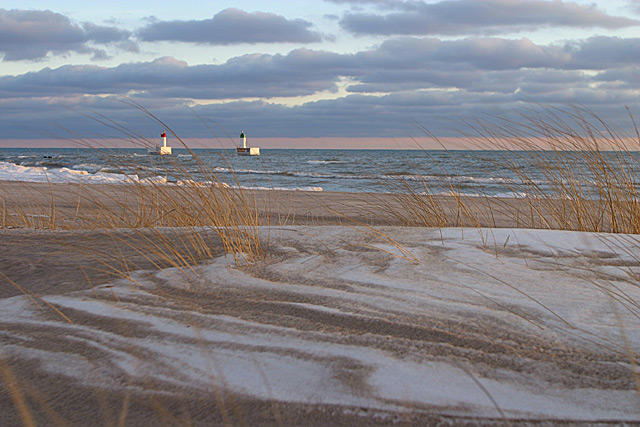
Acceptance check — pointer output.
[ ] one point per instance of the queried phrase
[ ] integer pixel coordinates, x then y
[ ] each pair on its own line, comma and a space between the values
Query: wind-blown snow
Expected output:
465, 322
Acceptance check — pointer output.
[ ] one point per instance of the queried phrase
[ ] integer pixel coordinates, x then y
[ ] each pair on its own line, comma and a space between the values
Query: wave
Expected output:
192, 183
50, 163
90, 172
511, 195
325, 162
88, 167
299, 174
13, 172
401, 176
310, 188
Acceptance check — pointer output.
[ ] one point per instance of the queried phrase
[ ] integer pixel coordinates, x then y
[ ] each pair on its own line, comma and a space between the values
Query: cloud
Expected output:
232, 26
392, 115
396, 65
103, 35
479, 53
610, 52
100, 55
427, 80
32, 35
414, 63
454, 17
626, 78
358, 115
301, 72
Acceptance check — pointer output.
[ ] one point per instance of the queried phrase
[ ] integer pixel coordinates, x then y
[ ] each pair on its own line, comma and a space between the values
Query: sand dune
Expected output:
340, 325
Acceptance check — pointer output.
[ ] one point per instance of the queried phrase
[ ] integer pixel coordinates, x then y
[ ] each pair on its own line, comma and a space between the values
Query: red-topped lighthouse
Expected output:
161, 149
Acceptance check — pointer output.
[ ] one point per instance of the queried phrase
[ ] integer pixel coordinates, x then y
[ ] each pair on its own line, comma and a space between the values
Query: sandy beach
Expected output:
350, 318
72, 201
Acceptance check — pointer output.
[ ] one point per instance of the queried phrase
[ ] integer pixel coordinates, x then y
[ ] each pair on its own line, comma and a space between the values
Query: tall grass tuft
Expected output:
588, 161
574, 169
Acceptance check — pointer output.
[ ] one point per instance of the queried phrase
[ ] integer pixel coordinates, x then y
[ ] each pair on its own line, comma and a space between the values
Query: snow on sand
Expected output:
470, 323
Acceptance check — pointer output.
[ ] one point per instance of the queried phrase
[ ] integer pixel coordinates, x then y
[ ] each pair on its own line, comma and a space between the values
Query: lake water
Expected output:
492, 173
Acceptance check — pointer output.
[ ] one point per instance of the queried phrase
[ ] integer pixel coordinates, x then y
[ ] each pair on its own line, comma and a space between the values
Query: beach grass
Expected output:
574, 170
587, 161
180, 200
176, 222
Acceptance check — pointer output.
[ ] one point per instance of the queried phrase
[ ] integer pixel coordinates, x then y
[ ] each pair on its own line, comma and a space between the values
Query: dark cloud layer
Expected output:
454, 17
301, 72
427, 80
232, 26
31, 35
396, 65
391, 115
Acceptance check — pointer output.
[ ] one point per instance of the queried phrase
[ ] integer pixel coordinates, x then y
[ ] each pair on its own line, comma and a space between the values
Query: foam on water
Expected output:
13, 172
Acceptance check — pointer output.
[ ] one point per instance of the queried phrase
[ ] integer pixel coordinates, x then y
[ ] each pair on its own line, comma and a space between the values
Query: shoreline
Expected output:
71, 203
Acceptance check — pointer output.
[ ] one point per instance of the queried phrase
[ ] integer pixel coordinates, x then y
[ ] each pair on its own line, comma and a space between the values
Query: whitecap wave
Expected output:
325, 162
13, 172
505, 195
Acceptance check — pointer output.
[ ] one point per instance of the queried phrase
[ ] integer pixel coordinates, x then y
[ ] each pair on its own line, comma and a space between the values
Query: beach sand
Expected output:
340, 323
74, 201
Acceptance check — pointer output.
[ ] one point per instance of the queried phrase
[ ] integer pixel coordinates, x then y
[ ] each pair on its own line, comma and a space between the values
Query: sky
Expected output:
329, 72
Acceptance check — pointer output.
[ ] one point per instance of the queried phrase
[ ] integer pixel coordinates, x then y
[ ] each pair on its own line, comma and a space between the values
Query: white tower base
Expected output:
161, 150
248, 151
